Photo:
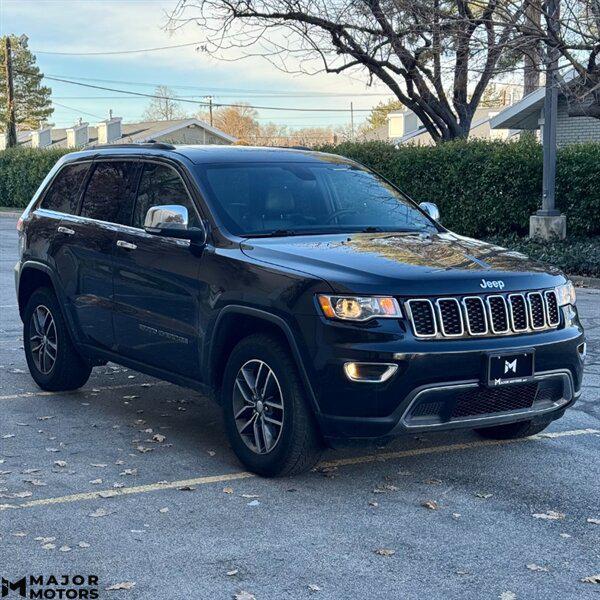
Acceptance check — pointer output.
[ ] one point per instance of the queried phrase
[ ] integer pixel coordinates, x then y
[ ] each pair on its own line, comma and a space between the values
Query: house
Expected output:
113, 131
404, 127
528, 115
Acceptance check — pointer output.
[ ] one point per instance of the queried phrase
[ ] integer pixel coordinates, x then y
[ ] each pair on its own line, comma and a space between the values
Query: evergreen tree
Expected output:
32, 99
378, 115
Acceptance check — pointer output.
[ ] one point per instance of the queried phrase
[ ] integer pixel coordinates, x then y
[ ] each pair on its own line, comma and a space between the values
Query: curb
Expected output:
13, 214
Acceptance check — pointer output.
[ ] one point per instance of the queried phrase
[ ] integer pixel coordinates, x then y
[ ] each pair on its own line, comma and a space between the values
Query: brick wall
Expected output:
575, 130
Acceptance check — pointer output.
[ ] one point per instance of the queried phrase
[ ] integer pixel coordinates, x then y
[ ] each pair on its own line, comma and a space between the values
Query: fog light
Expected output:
582, 349
369, 372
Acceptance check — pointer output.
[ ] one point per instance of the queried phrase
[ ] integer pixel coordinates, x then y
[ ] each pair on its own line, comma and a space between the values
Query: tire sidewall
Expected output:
48, 299
266, 464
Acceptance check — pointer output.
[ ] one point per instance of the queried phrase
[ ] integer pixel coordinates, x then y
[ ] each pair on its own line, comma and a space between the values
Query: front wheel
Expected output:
53, 361
268, 421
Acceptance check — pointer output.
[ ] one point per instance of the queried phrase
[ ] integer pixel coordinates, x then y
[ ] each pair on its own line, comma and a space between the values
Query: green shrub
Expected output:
21, 172
575, 256
486, 188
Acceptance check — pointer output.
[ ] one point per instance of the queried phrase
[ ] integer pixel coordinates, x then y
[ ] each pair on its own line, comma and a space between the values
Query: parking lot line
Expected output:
197, 481
78, 392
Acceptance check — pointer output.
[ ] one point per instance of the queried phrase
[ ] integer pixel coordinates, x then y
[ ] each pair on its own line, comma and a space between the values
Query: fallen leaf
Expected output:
44, 540
483, 495
253, 503
430, 504
60, 463
534, 567
565, 535
313, 587
157, 437
96, 481
99, 512
244, 595
250, 496
591, 579
83, 544
373, 503
65, 549
44, 418
129, 472
19, 534
107, 494
549, 515
143, 449
99, 465
29, 471
433, 481
49, 546
124, 585
163, 510
232, 572
187, 488
228, 490
594, 521
508, 596
384, 552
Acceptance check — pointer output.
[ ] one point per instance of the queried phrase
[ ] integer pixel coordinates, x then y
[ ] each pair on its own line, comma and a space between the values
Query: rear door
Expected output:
157, 286
85, 262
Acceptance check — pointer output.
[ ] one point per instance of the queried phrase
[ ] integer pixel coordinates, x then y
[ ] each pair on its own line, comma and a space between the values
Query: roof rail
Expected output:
150, 144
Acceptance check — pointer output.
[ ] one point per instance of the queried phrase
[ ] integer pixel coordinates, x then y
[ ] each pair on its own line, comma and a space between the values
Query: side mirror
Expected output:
171, 220
432, 210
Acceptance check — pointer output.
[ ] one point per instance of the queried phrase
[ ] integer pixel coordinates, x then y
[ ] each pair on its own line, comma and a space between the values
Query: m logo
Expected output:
510, 366
18, 586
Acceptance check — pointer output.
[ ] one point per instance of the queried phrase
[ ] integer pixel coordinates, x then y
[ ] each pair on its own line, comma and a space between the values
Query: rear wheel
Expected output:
269, 424
53, 361
513, 430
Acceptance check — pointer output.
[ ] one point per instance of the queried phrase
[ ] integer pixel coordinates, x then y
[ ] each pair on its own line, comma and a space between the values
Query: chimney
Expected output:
42, 137
78, 135
109, 130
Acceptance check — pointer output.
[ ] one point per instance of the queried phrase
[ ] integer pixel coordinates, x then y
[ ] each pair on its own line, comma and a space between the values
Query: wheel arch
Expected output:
236, 322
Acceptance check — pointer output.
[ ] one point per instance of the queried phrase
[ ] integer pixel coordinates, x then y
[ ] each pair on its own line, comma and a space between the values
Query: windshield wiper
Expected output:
277, 233
371, 229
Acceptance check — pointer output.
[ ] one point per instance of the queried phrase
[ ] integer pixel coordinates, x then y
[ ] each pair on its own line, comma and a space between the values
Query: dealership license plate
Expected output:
505, 369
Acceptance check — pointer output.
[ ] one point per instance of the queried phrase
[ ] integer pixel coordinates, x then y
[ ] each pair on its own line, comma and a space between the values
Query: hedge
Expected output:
21, 172
483, 188
486, 188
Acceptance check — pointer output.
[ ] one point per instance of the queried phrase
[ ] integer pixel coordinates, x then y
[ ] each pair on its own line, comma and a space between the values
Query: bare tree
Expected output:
163, 108
574, 34
436, 56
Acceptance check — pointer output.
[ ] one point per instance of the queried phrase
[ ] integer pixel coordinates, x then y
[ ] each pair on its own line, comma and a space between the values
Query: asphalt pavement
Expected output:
131, 480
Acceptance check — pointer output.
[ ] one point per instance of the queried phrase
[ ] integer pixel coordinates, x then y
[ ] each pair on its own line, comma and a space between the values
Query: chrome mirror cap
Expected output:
432, 210
168, 216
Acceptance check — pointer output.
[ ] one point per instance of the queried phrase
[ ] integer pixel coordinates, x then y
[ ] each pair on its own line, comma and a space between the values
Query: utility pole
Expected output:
210, 110
548, 223
11, 127
352, 119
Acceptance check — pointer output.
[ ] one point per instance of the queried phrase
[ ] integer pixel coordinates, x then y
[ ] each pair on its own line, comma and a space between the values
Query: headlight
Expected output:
566, 294
359, 308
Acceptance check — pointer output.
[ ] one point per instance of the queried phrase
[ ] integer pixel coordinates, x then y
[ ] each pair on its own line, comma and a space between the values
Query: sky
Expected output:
89, 26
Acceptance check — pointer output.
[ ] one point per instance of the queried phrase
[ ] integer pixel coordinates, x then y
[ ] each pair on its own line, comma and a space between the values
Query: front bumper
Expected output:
443, 373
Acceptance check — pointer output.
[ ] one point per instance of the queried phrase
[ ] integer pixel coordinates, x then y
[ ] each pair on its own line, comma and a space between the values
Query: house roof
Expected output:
133, 132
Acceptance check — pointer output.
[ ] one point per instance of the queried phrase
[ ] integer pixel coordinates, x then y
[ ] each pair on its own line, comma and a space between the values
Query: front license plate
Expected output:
504, 369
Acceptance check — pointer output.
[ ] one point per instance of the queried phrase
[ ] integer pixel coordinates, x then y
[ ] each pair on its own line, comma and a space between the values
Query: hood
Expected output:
406, 264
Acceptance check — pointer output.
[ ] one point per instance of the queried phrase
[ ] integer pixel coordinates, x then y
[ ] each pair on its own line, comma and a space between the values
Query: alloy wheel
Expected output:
43, 340
258, 406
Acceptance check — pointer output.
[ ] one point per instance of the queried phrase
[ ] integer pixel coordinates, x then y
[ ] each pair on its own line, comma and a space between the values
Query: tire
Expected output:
288, 449
61, 368
513, 430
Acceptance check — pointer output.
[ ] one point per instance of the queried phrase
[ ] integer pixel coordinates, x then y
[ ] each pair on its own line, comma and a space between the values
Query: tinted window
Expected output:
259, 199
64, 190
109, 193
161, 185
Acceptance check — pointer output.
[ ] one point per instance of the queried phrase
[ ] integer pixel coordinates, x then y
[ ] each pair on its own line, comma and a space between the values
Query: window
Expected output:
109, 194
161, 185
64, 190
307, 197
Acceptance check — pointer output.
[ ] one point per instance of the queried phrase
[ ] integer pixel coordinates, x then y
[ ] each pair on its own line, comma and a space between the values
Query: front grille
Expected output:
536, 310
482, 401
423, 317
496, 314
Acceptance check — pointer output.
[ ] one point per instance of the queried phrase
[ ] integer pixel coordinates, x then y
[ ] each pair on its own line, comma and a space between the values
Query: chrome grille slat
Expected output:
483, 315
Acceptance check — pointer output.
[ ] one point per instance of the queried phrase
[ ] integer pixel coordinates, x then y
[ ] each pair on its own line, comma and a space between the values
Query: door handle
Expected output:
66, 230
126, 245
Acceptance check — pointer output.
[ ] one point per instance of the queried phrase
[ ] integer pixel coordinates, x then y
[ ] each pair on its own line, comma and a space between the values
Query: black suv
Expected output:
312, 297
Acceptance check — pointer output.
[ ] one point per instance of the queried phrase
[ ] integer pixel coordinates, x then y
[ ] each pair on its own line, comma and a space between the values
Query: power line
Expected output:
177, 99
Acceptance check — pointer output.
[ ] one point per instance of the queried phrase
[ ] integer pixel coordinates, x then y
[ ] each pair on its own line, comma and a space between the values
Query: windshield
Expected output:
307, 198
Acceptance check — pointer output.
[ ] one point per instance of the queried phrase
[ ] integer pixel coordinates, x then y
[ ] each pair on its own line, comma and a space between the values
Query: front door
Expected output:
156, 284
